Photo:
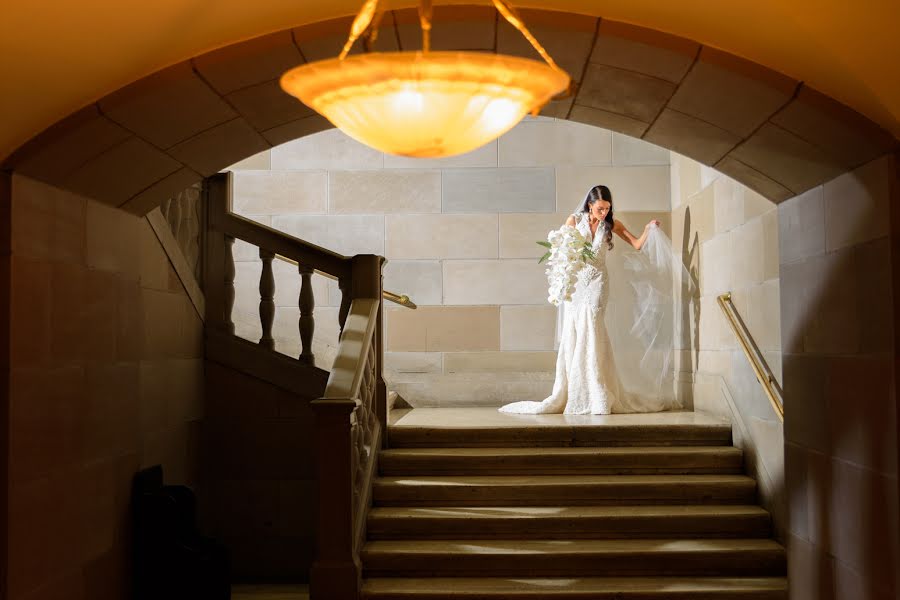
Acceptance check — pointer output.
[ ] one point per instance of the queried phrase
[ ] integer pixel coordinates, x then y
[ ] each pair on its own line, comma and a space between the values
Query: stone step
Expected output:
555, 490
568, 522
607, 434
572, 558
599, 588
560, 461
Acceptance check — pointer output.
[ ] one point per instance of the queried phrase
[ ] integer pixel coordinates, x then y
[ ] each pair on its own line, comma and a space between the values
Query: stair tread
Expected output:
556, 586
559, 451
557, 512
569, 547
531, 480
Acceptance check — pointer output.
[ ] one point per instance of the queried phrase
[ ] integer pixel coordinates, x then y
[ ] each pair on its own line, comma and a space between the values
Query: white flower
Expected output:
566, 259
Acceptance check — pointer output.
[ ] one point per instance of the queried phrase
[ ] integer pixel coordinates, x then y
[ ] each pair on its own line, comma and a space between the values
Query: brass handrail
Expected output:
401, 299
760, 367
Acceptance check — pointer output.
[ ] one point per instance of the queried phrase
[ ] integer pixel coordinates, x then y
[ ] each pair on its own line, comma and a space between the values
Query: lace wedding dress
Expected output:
587, 380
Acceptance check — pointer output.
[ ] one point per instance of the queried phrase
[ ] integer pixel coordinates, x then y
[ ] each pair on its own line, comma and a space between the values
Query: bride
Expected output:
587, 381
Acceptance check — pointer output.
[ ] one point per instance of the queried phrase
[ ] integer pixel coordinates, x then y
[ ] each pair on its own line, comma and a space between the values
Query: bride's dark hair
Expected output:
601, 192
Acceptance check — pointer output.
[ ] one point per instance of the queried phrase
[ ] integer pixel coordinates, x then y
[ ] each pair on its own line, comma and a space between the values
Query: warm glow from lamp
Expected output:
425, 105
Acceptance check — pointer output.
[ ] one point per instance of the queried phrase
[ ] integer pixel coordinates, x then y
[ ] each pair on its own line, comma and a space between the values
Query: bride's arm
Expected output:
571, 221
636, 243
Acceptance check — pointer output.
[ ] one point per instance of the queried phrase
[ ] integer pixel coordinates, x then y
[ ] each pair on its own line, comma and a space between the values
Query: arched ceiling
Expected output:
56, 58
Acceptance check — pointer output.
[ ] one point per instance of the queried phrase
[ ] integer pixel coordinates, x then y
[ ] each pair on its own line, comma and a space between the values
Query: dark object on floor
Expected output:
172, 561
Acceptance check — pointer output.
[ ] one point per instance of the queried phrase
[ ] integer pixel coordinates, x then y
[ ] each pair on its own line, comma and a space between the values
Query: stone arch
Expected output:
143, 143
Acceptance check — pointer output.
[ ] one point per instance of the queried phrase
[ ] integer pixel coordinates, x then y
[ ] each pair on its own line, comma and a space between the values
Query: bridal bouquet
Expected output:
567, 252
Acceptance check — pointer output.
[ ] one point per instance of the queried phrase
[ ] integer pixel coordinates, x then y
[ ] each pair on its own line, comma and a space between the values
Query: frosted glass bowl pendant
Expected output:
426, 104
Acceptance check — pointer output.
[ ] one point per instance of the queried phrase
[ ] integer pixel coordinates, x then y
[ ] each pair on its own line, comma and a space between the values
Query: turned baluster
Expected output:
306, 324
267, 299
228, 293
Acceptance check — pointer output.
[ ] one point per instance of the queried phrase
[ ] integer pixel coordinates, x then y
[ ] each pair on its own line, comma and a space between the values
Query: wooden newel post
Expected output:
336, 571
367, 282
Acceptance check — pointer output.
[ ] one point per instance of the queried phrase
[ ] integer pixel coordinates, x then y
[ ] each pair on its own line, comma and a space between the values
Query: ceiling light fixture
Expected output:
426, 104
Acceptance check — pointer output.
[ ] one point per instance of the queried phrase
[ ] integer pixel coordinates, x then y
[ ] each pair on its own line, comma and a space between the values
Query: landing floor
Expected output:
491, 417
269, 592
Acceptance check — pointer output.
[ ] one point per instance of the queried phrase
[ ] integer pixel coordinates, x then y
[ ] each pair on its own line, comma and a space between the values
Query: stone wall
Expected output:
106, 377
838, 321
459, 234
728, 238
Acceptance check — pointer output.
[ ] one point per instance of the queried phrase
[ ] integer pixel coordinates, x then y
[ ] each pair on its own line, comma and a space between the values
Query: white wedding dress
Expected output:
587, 380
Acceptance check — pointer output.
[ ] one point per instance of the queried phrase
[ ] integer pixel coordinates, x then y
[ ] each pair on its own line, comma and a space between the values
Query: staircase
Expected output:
595, 511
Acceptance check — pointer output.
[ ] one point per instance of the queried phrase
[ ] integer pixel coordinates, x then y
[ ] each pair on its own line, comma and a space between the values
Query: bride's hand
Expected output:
653, 223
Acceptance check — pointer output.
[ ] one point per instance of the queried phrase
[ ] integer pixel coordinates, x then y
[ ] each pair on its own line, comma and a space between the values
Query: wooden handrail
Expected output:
299, 251
757, 361
401, 299
356, 339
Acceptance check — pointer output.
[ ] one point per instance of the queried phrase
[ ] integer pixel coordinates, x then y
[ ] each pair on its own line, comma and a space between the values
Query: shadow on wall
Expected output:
690, 305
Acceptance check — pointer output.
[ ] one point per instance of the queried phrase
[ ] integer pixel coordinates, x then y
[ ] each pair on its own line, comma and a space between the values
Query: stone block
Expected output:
833, 127
413, 237
443, 329
265, 105
47, 223
716, 261
519, 234
690, 136
167, 107
874, 302
455, 28
632, 151
418, 279
328, 150
70, 143
494, 362
414, 362
731, 93
344, 234
279, 192
484, 156
297, 129
771, 259
552, 143
30, 312
748, 264
324, 39
755, 204
468, 282
608, 120
702, 215
261, 161
527, 327
474, 389
791, 161
753, 179
498, 190
810, 570
856, 205
643, 50
111, 240
862, 432
688, 176
729, 204
116, 176
213, 150
248, 63
375, 192
633, 188
764, 316
867, 546
567, 37
623, 92
167, 187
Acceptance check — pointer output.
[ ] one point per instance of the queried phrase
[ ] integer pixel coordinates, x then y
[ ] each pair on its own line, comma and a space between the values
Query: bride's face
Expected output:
600, 209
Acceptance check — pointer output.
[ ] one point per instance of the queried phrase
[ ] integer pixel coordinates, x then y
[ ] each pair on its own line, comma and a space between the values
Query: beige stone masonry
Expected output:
373, 192
440, 236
